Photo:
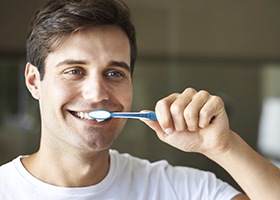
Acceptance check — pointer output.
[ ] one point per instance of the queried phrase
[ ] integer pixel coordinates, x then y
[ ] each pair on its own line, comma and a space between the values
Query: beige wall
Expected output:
187, 27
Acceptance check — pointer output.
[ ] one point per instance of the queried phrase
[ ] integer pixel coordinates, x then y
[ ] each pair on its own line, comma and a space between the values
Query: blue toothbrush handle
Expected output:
151, 116
147, 115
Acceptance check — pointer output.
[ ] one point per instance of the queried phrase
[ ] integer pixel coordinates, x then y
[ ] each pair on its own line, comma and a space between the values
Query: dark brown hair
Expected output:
58, 19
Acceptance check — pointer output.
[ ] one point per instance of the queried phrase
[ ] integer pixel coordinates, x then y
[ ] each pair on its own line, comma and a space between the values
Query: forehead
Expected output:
97, 42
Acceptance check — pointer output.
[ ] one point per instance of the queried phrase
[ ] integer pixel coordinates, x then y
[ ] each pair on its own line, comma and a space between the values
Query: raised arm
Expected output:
197, 122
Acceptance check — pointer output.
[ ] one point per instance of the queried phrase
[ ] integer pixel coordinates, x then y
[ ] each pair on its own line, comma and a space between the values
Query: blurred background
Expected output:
230, 48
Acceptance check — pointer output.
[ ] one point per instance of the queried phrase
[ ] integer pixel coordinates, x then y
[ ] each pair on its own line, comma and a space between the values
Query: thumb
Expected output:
153, 124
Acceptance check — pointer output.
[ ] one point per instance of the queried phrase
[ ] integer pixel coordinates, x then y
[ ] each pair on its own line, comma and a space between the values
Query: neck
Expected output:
68, 169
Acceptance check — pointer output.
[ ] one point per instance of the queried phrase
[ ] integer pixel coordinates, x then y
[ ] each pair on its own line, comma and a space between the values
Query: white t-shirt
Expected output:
129, 178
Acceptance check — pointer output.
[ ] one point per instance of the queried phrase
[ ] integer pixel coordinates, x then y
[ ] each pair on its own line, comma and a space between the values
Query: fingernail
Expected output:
168, 131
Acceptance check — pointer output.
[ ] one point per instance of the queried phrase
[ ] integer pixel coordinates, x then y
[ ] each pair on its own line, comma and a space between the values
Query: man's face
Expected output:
89, 71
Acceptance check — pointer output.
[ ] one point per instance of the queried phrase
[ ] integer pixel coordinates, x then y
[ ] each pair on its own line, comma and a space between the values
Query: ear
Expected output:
32, 80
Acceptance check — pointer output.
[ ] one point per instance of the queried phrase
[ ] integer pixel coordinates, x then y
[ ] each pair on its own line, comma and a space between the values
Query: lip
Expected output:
81, 115
85, 120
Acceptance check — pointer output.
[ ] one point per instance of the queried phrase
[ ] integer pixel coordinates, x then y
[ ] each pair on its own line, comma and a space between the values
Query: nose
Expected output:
95, 89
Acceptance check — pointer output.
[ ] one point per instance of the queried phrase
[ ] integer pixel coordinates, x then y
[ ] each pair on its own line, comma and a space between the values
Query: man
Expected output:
81, 55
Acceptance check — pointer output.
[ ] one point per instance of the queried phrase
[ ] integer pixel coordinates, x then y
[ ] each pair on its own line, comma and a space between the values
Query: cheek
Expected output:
121, 93
58, 93
127, 97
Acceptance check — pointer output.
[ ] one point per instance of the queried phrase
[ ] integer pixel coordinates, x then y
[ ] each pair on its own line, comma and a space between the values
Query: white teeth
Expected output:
87, 116
83, 115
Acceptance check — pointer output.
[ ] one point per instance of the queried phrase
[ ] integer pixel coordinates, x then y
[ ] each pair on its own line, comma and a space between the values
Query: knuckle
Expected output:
191, 91
190, 114
174, 108
204, 113
159, 103
162, 103
217, 99
203, 93
165, 102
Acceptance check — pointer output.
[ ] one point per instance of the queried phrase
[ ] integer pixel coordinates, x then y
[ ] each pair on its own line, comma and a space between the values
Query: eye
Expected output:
74, 72
115, 74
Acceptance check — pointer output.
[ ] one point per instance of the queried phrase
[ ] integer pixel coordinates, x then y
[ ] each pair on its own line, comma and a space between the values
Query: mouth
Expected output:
81, 115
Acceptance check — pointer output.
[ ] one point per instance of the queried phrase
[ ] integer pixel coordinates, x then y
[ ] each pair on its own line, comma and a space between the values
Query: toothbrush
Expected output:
101, 115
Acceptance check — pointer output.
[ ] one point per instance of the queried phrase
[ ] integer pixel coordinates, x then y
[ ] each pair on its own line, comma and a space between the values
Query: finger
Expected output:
192, 111
163, 113
211, 109
154, 125
178, 106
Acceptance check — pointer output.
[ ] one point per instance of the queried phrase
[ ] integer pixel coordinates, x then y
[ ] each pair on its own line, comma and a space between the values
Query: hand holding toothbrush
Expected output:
195, 121
192, 121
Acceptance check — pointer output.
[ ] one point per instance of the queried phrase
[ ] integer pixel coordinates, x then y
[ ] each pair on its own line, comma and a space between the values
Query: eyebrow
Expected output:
71, 62
120, 64
83, 62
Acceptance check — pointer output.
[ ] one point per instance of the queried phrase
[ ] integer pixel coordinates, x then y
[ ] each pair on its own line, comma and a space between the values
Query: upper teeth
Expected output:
83, 115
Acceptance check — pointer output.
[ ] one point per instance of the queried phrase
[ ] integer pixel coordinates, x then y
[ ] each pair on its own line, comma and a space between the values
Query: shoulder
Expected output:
9, 174
161, 169
181, 180
126, 159
12, 169
7, 167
